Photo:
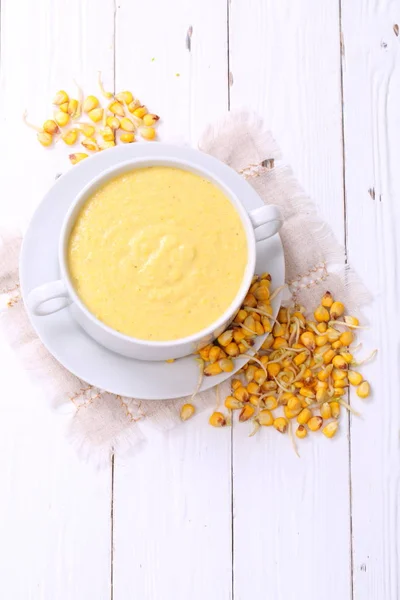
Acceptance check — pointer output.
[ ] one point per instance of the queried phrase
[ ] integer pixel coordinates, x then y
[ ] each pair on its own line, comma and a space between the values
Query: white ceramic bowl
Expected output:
56, 295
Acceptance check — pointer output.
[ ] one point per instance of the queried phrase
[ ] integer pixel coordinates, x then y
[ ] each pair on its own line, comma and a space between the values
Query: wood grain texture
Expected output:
172, 498
283, 506
55, 529
371, 78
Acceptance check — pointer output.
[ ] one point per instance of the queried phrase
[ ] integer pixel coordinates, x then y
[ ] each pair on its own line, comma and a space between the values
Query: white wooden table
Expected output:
204, 514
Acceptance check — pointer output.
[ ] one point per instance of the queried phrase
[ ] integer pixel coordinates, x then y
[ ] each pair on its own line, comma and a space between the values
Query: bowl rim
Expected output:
161, 160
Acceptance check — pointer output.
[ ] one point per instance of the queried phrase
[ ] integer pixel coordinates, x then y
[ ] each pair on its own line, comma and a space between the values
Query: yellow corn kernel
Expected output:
259, 328
279, 342
232, 403
268, 343
270, 402
321, 340
217, 419
322, 385
338, 392
226, 365
242, 348
348, 357
269, 386
113, 122
321, 314
150, 119
336, 345
280, 424
308, 339
253, 388
104, 144
363, 390
64, 107
327, 300
225, 338
333, 334
254, 400
246, 412
239, 335
337, 310
70, 137
294, 404
328, 356
274, 369
232, 349
265, 418
282, 315
304, 416
60, 98
339, 362
241, 394
330, 430
46, 139
251, 369
240, 316
262, 293
132, 106
290, 414
307, 393
205, 352
124, 97
235, 384
148, 133
187, 411
127, 125
335, 409
107, 134
87, 130
351, 320
301, 432
339, 374
140, 111
324, 374
321, 395
278, 330
214, 354
300, 358
96, 115
346, 338
260, 376
322, 327
127, 138
264, 360
61, 118
342, 383
50, 126
90, 144
213, 369
73, 106
75, 158
355, 378
305, 402
315, 423
90, 103
325, 410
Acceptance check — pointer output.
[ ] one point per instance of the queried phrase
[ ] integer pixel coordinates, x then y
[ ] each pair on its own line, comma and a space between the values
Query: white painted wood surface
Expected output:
198, 513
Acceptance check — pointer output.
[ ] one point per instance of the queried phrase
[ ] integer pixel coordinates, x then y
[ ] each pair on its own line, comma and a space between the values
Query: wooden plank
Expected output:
371, 80
291, 516
172, 502
55, 509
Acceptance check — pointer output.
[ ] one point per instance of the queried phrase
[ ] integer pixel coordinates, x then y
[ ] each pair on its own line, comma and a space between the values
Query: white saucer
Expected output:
60, 333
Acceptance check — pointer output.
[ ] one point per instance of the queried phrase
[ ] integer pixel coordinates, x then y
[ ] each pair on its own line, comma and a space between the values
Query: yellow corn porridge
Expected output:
157, 253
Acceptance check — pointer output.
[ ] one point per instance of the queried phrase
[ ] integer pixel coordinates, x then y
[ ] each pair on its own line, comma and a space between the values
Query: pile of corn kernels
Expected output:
120, 121
301, 372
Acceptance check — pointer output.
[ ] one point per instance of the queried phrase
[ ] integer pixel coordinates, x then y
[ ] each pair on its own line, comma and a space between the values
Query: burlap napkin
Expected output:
102, 423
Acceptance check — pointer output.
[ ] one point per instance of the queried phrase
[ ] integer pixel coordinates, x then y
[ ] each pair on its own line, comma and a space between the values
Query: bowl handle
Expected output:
267, 220
48, 291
